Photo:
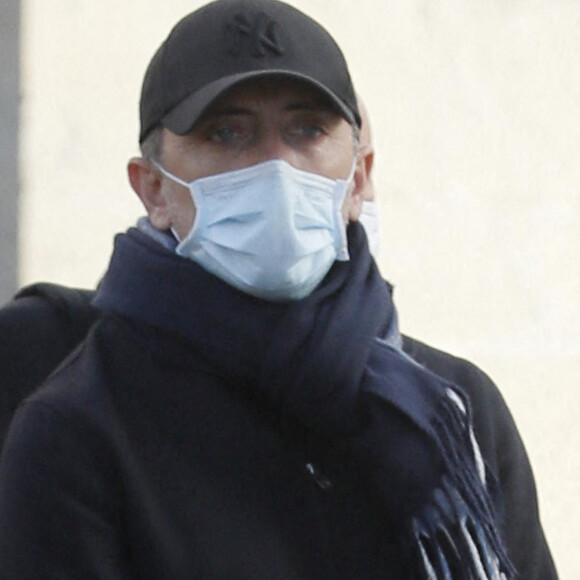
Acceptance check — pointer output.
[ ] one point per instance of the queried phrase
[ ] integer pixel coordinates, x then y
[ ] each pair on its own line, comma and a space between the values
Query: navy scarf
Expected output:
323, 361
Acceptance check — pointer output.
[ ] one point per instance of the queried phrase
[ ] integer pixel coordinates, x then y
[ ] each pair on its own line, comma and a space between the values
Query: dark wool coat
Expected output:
255, 497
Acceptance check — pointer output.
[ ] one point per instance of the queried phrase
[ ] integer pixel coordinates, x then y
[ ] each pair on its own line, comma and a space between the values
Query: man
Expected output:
242, 408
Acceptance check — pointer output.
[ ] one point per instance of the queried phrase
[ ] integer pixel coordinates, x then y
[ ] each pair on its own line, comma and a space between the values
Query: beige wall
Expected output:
475, 107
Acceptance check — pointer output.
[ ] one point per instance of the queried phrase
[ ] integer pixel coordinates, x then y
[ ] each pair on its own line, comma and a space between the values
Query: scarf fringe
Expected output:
456, 535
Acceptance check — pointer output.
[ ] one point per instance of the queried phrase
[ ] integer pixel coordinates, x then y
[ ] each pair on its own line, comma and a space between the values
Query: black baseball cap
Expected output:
230, 41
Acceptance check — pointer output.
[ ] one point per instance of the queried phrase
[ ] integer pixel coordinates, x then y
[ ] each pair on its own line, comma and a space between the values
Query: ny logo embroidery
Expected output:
257, 33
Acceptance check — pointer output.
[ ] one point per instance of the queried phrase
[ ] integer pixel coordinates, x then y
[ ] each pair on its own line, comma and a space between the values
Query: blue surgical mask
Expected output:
270, 230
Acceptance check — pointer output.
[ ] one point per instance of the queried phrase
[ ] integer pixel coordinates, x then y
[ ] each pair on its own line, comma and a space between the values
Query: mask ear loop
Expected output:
342, 254
354, 164
177, 180
349, 179
356, 151
168, 174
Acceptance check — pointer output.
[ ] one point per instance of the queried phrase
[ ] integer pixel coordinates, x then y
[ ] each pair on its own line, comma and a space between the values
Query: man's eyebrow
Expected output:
315, 106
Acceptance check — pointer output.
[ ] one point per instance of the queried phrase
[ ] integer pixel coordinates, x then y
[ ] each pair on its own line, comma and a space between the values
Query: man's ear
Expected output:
369, 160
359, 185
145, 180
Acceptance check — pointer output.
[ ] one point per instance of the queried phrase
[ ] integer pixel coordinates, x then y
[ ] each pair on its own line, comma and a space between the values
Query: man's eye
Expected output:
307, 131
312, 130
223, 134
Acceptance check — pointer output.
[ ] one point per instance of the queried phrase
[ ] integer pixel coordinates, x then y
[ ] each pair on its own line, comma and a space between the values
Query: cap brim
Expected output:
182, 118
